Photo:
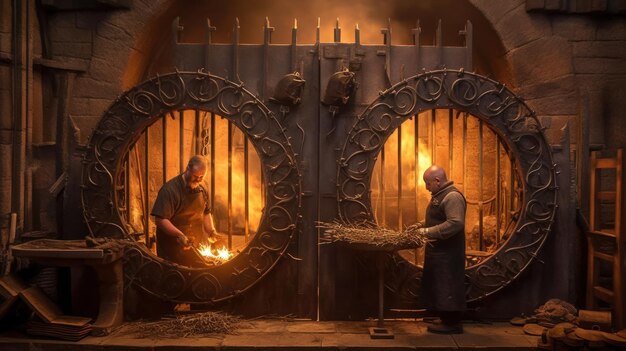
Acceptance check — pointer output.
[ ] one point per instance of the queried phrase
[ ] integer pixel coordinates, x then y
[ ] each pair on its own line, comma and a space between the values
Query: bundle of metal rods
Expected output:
371, 234
191, 325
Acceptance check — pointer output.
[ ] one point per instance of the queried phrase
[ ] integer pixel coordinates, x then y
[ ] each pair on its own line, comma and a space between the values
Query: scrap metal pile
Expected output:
191, 325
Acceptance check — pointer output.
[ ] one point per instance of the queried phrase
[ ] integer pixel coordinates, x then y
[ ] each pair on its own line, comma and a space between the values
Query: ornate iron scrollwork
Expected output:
507, 115
103, 188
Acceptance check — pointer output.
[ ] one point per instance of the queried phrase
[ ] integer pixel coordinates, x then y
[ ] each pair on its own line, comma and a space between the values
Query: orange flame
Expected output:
222, 254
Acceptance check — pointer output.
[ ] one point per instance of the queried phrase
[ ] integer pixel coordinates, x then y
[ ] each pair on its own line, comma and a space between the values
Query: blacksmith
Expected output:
443, 280
182, 216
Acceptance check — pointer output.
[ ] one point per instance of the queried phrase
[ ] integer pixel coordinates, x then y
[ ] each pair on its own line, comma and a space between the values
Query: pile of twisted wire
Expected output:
191, 325
371, 234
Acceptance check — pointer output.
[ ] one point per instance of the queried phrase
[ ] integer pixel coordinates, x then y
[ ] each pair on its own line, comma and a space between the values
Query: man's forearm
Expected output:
168, 227
209, 227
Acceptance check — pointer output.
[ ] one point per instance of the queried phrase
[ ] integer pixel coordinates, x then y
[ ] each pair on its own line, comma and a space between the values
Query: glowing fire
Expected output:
221, 254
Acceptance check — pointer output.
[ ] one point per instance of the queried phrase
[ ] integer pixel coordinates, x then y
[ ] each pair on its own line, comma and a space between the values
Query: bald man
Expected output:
443, 280
181, 213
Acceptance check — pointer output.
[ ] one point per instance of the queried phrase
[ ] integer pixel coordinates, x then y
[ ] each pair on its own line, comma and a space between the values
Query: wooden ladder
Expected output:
606, 237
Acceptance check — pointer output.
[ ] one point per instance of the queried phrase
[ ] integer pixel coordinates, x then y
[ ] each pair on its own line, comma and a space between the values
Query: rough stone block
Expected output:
88, 106
607, 49
574, 27
76, 50
70, 34
115, 52
615, 106
90, 20
62, 19
541, 60
106, 71
93, 88
495, 10
595, 82
532, 5
110, 31
600, 65
555, 105
556, 86
527, 27
612, 28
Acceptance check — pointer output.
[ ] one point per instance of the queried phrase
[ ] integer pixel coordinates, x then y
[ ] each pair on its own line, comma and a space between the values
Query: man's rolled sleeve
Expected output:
454, 207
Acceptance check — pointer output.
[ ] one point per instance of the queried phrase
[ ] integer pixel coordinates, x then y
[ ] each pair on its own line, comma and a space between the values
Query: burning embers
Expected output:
214, 254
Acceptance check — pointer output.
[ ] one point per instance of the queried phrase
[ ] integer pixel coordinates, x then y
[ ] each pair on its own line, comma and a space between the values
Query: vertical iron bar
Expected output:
439, 45
465, 188
450, 141
417, 164
380, 268
267, 39
498, 191
513, 189
417, 174
399, 178
181, 139
198, 145
382, 186
207, 44
416, 41
230, 185
127, 185
387, 41
146, 217
481, 174
294, 47
164, 147
213, 163
235, 70
431, 136
246, 223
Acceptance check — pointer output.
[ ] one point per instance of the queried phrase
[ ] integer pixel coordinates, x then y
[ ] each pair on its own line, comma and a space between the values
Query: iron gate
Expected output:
317, 144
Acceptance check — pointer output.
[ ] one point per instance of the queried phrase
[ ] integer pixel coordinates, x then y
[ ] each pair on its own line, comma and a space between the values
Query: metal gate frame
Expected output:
308, 149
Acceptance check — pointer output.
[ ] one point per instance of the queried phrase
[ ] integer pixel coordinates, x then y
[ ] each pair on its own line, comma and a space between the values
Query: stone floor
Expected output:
282, 334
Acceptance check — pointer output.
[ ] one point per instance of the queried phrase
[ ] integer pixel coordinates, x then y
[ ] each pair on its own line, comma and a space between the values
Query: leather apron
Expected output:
189, 218
443, 279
